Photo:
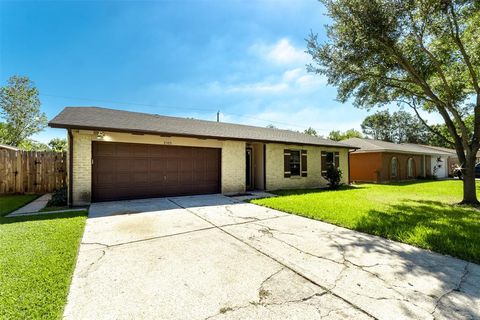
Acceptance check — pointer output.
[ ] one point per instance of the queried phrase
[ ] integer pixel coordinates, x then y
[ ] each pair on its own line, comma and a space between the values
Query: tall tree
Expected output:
58, 144
423, 54
378, 126
311, 132
20, 109
435, 140
399, 127
408, 128
338, 135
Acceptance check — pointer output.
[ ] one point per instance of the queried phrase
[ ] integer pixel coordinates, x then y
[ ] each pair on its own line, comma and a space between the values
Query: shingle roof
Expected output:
370, 145
452, 152
438, 149
95, 118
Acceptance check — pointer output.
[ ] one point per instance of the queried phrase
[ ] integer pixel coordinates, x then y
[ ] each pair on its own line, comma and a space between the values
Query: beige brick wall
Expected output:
314, 179
233, 167
233, 162
233, 159
82, 168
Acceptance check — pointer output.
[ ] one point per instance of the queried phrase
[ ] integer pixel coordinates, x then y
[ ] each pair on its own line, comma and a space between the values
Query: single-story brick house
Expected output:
116, 154
381, 161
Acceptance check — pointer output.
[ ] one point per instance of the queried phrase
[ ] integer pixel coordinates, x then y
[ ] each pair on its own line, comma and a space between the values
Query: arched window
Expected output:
410, 167
394, 167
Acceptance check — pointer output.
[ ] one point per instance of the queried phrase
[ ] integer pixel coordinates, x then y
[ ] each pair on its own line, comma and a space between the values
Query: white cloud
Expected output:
294, 81
282, 52
262, 87
311, 81
299, 115
272, 88
257, 88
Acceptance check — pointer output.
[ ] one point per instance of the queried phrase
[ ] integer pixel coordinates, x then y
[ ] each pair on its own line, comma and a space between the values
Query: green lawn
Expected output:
37, 257
423, 214
9, 203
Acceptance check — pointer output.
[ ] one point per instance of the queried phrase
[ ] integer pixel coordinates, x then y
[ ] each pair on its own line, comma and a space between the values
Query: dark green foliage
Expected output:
58, 145
399, 127
20, 108
59, 198
310, 131
333, 176
337, 135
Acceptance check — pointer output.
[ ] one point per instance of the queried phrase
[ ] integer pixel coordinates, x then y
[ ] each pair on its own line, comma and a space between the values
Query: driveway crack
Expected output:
147, 239
265, 305
232, 215
95, 263
268, 231
353, 305
455, 289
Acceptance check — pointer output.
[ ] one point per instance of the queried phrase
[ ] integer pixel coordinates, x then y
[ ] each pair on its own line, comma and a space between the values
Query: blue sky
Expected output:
180, 58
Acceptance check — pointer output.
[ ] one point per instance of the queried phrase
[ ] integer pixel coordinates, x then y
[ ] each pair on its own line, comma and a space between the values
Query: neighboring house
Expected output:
117, 154
7, 147
381, 161
453, 161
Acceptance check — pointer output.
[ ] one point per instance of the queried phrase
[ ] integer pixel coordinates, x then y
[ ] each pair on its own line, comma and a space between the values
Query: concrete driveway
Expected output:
211, 257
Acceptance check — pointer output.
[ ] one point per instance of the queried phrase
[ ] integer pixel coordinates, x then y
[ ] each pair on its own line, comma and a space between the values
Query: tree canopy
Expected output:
399, 127
338, 135
422, 54
310, 131
33, 145
58, 144
20, 109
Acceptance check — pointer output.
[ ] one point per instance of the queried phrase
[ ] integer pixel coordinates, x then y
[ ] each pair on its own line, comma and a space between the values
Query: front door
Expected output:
248, 178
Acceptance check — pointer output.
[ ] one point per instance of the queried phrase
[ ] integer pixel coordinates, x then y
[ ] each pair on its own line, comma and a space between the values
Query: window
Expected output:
410, 167
394, 167
294, 163
329, 159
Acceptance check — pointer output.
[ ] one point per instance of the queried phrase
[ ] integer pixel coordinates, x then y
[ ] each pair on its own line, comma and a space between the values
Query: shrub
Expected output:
59, 198
333, 176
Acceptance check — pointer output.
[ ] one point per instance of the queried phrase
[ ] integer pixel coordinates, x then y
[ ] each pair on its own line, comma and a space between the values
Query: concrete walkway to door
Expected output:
211, 257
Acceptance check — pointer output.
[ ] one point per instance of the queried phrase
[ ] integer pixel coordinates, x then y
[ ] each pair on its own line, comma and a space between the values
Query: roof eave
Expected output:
170, 134
402, 152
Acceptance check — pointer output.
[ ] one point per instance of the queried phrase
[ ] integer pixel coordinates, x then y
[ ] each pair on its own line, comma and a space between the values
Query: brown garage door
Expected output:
133, 171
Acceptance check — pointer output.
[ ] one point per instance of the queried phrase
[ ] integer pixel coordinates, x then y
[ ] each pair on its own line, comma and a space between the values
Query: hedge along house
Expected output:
115, 155
381, 161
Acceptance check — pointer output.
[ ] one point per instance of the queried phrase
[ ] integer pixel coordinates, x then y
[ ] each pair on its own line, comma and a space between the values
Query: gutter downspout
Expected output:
348, 166
70, 168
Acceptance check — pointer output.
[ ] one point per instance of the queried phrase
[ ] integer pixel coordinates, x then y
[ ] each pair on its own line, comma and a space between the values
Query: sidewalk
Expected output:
34, 206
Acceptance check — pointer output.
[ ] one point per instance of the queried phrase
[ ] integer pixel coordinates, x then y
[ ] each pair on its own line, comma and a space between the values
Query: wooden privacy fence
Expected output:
32, 171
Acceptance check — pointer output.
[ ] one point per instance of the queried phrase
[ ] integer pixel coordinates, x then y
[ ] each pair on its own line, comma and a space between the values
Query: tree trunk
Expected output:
469, 185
